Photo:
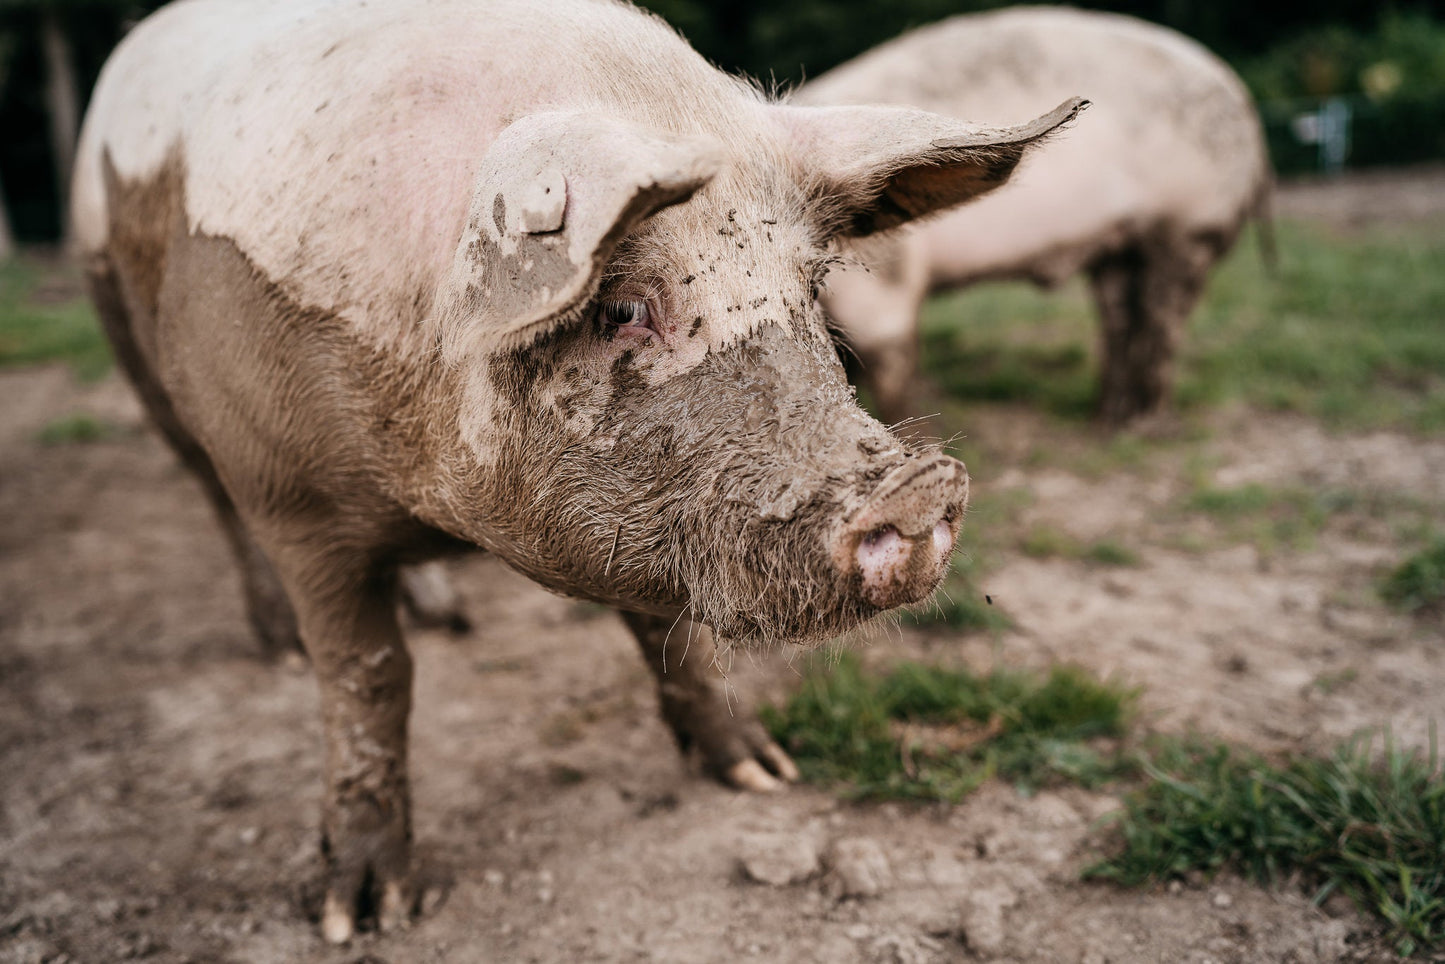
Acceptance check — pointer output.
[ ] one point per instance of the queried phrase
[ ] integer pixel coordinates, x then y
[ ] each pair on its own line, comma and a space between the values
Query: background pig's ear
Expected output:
874, 168
555, 194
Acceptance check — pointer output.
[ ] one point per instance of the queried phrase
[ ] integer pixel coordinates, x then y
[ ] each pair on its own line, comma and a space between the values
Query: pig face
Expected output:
666, 425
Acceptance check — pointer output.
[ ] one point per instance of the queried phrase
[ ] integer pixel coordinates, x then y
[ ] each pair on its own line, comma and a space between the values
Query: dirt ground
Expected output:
159, 784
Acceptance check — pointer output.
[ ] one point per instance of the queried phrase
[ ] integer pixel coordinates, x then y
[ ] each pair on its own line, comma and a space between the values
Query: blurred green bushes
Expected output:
1391, 77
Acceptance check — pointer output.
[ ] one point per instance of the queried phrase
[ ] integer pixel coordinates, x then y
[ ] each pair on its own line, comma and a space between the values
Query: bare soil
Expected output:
159, 784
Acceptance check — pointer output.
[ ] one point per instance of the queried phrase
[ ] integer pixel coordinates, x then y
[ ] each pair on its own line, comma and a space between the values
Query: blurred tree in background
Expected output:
1387, 58
55, 48
804, 38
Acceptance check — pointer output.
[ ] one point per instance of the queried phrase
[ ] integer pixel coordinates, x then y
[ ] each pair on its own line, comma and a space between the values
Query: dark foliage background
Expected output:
1288, 50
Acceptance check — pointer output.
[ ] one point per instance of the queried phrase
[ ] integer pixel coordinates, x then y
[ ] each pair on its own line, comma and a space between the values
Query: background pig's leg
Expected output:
733, 744
1115, 280
1144, 296
431, 599
267, 607
889, 372
266, 604
346, 608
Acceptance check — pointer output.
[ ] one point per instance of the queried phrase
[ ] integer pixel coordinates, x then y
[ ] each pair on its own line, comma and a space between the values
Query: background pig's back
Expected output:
1172, 134
335, 141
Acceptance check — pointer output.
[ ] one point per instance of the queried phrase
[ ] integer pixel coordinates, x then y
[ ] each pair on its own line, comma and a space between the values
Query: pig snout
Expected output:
898, 543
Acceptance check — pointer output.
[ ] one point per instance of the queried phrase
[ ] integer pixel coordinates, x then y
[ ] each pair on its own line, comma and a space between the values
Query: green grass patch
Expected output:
1369, 824
1048, 542
1349, 329
1013, 343
78, 428
1110, 553
1271, 518
1418, 582
44, 318
930, 733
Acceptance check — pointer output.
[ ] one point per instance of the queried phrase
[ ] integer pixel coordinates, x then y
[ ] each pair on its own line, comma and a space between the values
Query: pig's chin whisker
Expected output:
910, 420
668, 638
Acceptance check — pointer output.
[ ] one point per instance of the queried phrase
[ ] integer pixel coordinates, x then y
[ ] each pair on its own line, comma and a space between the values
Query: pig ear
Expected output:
555, 194
874, 168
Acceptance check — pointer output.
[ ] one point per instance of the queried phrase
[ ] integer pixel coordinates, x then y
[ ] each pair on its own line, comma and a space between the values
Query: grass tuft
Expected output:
1110, 553
1047, 542
1419, 582
1369, 824
1270, 517
43, 318
77, 428
929, 733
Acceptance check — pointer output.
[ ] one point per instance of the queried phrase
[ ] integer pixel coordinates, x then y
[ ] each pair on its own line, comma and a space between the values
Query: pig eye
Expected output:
630, 315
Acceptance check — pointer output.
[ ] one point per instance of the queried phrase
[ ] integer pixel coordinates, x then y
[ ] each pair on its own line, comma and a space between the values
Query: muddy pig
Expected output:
397, 279
1144, 198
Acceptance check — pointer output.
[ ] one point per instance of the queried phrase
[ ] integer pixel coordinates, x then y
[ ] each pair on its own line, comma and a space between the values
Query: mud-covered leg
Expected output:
889, 372
734, 745
1144, 299
348, 621
1115, 281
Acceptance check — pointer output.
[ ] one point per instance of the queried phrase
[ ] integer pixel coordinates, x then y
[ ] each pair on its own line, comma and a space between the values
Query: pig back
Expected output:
336, 142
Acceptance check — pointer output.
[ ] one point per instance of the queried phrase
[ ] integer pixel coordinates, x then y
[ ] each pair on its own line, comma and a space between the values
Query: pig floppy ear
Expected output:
555, 194
874, 168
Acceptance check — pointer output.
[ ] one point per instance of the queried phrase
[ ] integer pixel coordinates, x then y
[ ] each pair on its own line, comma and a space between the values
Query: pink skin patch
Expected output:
882, 556
942, 540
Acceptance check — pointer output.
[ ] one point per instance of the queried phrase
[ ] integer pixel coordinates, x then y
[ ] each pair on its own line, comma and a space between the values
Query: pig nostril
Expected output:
872, 539
881, 555
943, 539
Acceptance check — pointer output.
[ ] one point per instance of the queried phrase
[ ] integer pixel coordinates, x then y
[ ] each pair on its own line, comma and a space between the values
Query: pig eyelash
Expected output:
816, 271
629, 315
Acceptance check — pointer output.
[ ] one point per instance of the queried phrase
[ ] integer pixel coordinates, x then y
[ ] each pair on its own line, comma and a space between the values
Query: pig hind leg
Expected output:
1145, 295
733, 745
267, 605
890, 373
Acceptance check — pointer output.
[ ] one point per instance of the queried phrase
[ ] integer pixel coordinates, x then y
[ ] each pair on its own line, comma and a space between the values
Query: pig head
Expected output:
655, 416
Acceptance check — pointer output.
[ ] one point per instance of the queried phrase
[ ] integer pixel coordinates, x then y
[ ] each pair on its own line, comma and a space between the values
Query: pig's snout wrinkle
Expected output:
899, 541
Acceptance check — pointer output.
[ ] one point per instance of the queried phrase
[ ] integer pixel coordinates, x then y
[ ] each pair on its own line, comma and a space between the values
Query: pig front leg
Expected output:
347, 615
734, 745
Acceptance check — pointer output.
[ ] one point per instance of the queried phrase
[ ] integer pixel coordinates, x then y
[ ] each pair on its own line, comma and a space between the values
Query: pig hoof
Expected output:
771, 771
393, 912
338, 920
781, 763
741, 754
749, 775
